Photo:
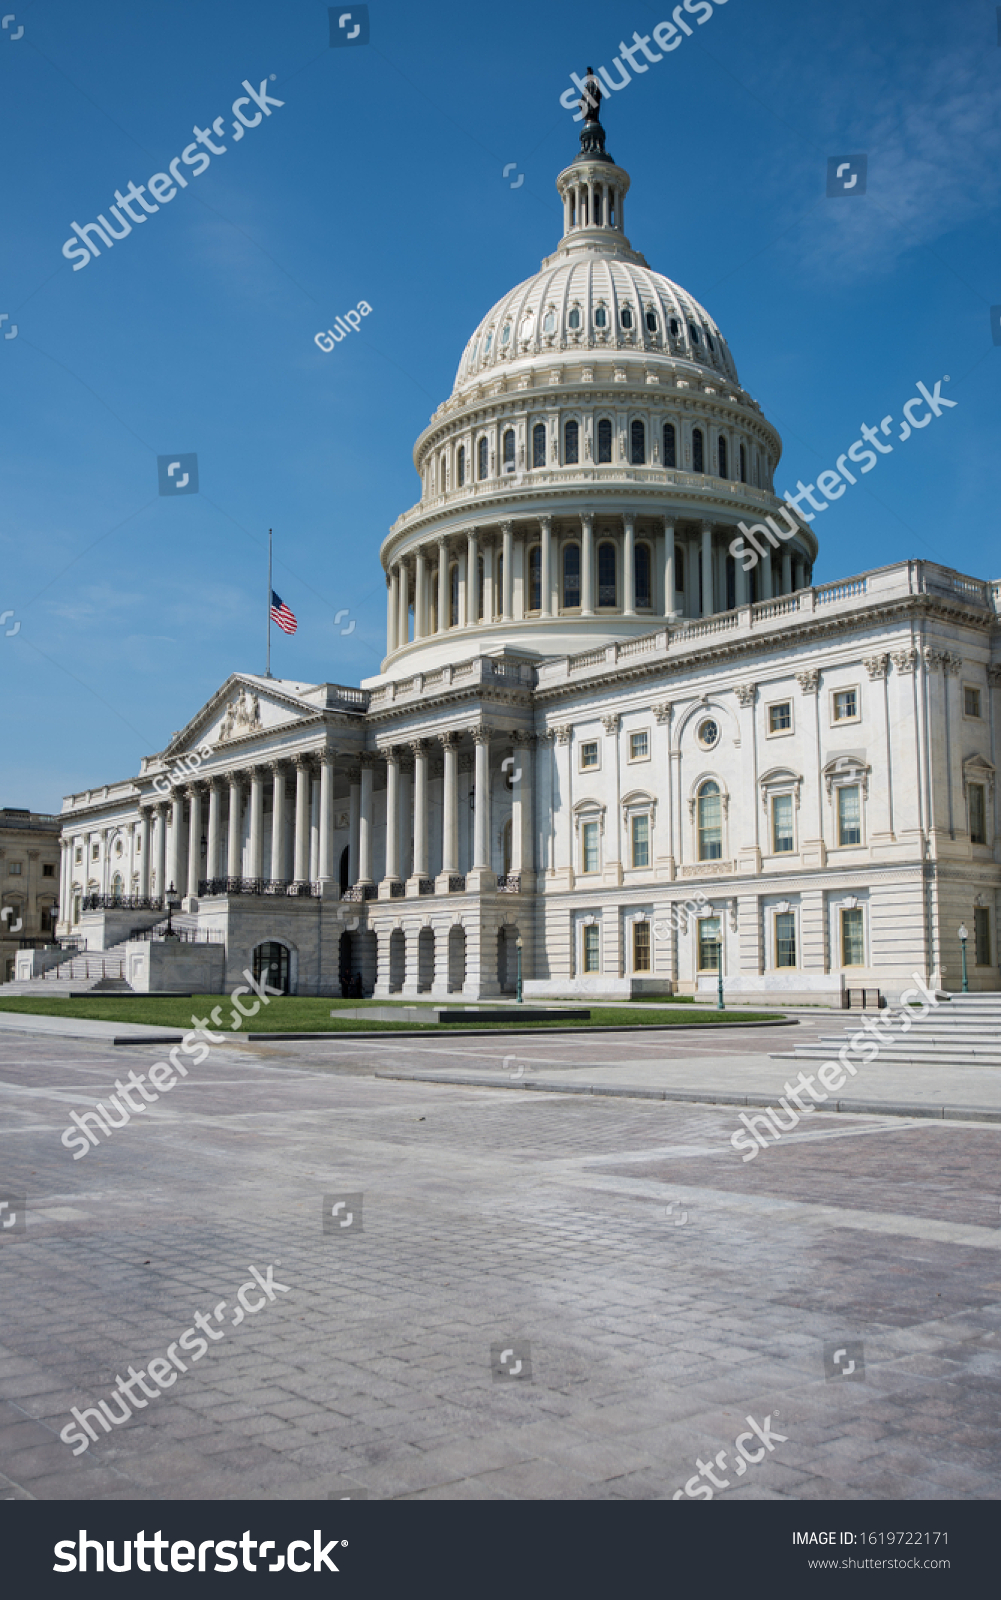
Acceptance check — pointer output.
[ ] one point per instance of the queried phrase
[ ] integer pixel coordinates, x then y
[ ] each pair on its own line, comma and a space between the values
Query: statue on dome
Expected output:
590, 101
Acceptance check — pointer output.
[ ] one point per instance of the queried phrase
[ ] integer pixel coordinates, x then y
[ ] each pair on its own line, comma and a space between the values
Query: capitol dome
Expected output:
585, 479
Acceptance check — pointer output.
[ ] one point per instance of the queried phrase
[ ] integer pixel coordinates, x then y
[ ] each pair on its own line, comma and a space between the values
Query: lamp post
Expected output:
171, 903
964, 934
518, 943
720, 1005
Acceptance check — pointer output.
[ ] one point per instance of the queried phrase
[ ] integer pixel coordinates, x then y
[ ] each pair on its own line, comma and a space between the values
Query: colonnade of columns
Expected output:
440, 584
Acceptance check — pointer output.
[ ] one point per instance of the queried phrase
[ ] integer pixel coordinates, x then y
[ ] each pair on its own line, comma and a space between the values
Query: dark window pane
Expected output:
483, 448
721, 455
638, 444
535, 578
461, 465
642, 576
606, 575
539, 445
571, 575
570, 442
670, 446
509, 447
604, 440
698, 461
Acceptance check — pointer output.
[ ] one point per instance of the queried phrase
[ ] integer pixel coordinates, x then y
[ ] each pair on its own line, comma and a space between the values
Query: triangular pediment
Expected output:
245, 707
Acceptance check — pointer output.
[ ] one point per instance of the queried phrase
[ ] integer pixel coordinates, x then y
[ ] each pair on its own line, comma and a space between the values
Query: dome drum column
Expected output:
587, 565
629, 565
706, 530
546, 584
507, 531
443, 585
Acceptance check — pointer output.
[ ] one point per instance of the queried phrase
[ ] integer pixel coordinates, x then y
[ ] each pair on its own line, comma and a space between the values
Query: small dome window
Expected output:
600, 317
626, 317
651, 321
476, 346
674, 328
549, 322
709, 341
573, 320
693, 330
489, 342
506, 334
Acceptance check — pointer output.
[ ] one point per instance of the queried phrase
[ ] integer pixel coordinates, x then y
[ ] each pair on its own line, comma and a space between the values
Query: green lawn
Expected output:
294, 1014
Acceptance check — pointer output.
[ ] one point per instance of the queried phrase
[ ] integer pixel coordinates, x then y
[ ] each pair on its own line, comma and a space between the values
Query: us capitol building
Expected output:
592, 731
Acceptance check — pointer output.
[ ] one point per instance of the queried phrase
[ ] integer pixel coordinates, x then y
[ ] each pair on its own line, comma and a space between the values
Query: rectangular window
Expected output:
78, 853
639, 746
641, 947
709, 944
849, 814
589, 754
641, 841
95, 852
852, 938
982, 936
710, 824
589, 847
971, 702
780, 717
14, 869
48, 869
592, 949
978, 814
785, 939
782, 835
846, 705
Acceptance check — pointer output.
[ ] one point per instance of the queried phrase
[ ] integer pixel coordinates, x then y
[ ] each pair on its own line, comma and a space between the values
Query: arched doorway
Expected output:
425, 960
271, 965
456, 959
397, 960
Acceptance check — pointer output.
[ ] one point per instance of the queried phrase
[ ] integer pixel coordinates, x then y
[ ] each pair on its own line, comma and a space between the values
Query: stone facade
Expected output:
29, 883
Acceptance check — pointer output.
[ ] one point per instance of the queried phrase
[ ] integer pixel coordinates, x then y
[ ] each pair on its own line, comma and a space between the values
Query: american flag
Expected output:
281, 614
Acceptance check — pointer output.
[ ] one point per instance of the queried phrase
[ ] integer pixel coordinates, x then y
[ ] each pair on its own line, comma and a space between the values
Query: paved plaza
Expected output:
656, 1290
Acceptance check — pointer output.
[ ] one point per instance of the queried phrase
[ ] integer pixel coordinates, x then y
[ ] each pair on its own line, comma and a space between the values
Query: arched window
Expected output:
637, 440
670, 446
626, 317
509, 450
570, 438
597, 207
709, 341
479, 588
117, 886
460, 466
535, 578
674, 327
642, 600
573, 320
271, 962
651, 321
698, 455
453, 595
600, 317
484, 458
571, 576
539, 445
721, 456
693, 330
549, 322
604, 440
743, 465
679, 568
606, 575
710, 822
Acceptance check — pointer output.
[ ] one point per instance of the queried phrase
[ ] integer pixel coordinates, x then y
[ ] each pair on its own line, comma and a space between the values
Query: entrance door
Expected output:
271, 964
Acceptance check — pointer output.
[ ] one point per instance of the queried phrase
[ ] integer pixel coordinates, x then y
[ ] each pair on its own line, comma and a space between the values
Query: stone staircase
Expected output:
98, 971
963, 1031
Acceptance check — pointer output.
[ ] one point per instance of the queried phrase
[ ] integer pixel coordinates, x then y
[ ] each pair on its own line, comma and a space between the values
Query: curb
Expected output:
708, 1097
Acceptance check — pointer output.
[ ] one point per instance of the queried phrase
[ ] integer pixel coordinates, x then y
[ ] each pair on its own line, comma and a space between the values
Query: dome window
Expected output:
607, 594
693, 330
709, 341
460, 466
641, 578
604, 440
651, 321
721, 455
597, 207
476, 346
573, 320
674, 329
571, 577
549, 322
570, 444
509, 450
670, 446
539, 445
535, 578
482, 457
743, 465
637, 454
506, 334
600, 317
626, 317
698, 452
489, 342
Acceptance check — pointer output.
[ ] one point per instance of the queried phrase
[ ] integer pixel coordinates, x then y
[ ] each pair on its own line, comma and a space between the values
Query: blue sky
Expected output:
380, 179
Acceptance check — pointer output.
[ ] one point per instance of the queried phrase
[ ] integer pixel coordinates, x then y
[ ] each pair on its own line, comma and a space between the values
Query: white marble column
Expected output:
325, 866
368, 760
546, 553
194, 839
300, 870
587, 565
706, 531
489, 585
450, 804
444, 587
507, 612
234, 841
522, 822
420, 595
786, 571
406, 834
279, 845
420, 753
472, 578
176, 869
629, 565
403, 597
256, 869
143, 861
161, 852
392, 607
670, 600
212, 856
392, 815
481, 812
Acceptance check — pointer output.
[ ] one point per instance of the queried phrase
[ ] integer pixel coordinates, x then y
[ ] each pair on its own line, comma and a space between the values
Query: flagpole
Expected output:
267, 671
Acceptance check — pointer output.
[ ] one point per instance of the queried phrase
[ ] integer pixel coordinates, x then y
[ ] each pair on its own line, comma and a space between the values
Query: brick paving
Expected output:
666, 1289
